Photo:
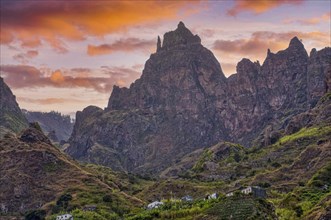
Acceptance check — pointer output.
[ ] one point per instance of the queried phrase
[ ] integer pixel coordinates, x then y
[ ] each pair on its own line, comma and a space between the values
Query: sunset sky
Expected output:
66, 55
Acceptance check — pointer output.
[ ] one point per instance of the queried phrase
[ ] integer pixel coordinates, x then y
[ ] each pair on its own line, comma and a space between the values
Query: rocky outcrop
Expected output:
183, 102
11, 117
168, 111
34, 134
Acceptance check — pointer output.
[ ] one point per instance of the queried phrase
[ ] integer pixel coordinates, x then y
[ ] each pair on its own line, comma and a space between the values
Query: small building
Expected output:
154, 205
229, 194
255, 191
213, 196
64, 217
90, 208
187, 198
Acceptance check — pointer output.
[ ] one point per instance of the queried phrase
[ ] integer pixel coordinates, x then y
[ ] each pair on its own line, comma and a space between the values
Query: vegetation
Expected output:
239, 207
35, 215
306, 133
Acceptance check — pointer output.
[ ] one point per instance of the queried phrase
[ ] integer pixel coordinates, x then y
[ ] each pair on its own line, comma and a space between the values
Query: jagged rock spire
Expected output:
158, 45
180, 36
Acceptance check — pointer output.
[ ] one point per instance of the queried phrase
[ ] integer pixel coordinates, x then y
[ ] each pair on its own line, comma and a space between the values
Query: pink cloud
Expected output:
129, 44
258, 6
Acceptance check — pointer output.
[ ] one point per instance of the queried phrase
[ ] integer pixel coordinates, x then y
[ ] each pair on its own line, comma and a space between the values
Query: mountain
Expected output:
58, 126
305, 138
35, 175
183, 102
11, 117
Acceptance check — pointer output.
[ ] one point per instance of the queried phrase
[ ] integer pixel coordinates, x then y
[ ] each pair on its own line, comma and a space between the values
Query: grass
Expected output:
206, 156
306, 133
304, 200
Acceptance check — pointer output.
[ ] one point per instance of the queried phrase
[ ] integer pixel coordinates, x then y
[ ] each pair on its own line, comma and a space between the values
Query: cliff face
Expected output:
11, 117
183, 102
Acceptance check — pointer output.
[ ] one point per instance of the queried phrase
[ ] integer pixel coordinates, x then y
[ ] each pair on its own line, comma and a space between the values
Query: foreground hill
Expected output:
11, 117
183, 102
35, 175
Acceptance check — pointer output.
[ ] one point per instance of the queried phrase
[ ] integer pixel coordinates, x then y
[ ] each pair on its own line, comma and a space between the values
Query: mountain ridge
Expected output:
183, 102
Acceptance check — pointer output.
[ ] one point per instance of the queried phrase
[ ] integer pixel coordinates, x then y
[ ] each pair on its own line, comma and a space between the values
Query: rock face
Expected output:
11, 117
34, 134
183, 102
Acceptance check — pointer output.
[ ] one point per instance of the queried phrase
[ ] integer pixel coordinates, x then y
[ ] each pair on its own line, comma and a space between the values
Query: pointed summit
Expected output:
181, 25
295, 42
182, 36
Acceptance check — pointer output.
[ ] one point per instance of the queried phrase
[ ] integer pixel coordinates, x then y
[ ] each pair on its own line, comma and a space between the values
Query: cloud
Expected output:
128, 44
31, 22
260, 41
24, 77
25, 57
258, 6
125, 75
310, 21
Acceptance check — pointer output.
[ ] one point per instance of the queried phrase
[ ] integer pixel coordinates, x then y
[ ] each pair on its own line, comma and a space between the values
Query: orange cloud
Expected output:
24, 76
129, 44
55, 21
57, 77
310, 21
258, 6
32, 42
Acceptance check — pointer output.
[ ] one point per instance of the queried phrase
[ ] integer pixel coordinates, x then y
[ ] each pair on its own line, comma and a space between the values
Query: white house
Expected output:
154, 205
229, 194
213, 196
187, 198
65, 217
247, 190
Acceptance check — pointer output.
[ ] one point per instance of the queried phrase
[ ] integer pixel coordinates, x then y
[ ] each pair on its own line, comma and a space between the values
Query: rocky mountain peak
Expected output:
179, 37
295, 42
183, 102
247, 66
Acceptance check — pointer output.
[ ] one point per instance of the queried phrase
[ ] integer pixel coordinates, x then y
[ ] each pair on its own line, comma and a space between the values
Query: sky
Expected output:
67, 55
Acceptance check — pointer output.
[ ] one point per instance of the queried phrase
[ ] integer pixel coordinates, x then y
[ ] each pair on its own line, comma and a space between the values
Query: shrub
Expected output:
107, 198
276, 164
298, 210
35, 215
62, 203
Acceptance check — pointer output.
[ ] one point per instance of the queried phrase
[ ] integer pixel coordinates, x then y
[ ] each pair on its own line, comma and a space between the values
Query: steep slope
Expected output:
53, 123
183, 102
305, 138
295, 169
37, 175
11, 117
